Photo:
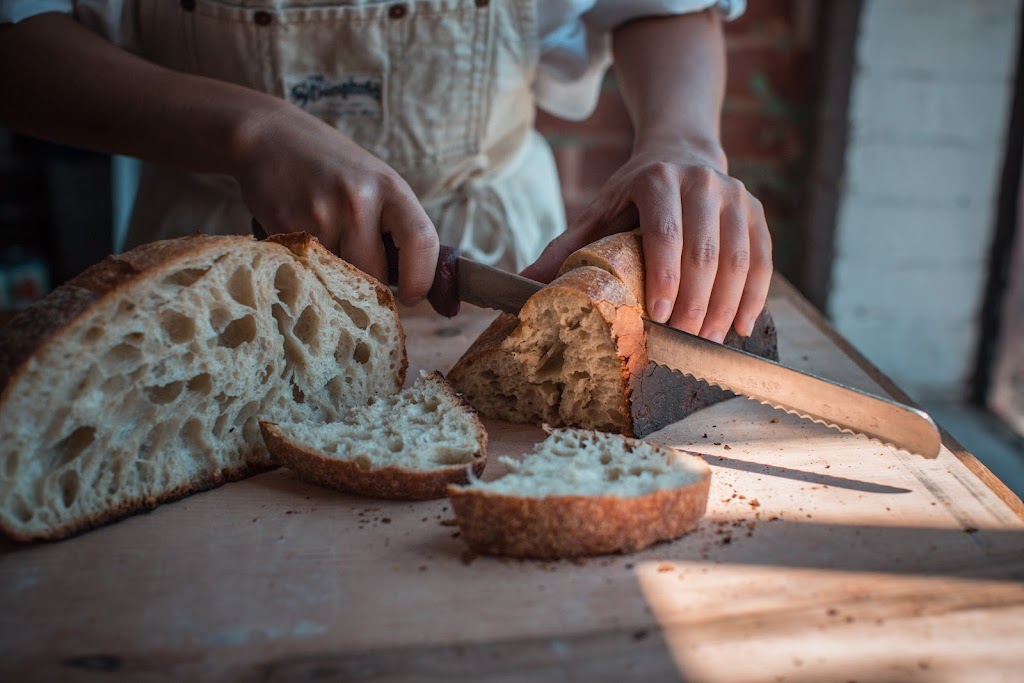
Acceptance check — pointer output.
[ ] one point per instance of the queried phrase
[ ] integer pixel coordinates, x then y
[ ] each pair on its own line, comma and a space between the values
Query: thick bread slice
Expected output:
495, 369
569, 358
583, 493
407, 446
142, 379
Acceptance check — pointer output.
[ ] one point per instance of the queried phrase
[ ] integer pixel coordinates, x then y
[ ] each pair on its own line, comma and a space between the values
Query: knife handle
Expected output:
444, 291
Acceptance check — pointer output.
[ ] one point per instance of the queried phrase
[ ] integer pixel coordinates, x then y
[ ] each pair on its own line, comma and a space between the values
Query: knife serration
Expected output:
800, 393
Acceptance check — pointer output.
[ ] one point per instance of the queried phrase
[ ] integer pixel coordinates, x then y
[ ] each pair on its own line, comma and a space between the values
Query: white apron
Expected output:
441, 90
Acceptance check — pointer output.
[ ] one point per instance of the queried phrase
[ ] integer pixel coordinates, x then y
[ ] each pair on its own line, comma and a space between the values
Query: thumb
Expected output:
545, 268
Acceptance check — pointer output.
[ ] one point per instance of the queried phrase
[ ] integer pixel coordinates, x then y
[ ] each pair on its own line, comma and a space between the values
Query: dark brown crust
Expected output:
397, 483
621, 255
558, 527
661, 396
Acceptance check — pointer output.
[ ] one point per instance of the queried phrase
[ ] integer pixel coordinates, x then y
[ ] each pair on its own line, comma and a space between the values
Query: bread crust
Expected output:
140, 504
621, 255
32, 331
654, 395
558, 527
392, 482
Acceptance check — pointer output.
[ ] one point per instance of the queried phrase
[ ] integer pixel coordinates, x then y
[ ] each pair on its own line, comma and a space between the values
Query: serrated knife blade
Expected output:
803, 394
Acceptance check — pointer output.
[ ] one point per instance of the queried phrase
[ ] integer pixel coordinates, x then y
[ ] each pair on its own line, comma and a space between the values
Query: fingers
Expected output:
699, 262
759, 276
731, 276
416, 238
661, 225
707, 251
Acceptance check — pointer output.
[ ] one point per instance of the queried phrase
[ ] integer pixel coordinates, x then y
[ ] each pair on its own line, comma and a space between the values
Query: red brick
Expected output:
753, 134
787, 72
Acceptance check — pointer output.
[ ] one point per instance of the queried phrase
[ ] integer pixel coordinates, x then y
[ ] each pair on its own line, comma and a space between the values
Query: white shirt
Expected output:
575, 38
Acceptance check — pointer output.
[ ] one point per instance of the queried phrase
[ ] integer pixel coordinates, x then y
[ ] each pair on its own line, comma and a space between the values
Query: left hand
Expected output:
707, 248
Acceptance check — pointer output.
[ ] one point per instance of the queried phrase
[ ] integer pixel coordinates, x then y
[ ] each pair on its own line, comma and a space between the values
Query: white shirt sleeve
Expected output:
112, 19
13, 11
575, 46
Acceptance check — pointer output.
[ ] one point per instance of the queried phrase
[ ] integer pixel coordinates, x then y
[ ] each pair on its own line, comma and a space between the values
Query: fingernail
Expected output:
744, 329
716, 336
661, 311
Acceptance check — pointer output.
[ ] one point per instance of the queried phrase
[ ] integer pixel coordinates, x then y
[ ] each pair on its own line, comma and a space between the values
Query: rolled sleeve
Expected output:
576, 46
13, 11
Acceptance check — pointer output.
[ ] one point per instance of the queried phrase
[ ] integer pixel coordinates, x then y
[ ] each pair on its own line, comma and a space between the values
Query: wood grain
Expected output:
823, 557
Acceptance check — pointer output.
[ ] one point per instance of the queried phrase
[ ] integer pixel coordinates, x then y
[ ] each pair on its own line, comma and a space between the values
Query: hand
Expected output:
300, 174
707, 249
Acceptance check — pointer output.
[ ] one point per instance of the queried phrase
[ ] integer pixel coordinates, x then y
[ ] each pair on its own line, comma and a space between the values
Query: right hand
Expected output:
299, 174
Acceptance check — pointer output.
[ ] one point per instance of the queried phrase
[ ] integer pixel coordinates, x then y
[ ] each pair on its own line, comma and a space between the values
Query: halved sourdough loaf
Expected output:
576, 354
143, 379
406, 446
583, 493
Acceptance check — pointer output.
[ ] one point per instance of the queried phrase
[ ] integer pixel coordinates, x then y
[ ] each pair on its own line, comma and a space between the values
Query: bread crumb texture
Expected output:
409, 445
567, 362
151, 386
583, 493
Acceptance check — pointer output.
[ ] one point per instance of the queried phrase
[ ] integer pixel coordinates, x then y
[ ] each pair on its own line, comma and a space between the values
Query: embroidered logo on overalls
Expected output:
349, 96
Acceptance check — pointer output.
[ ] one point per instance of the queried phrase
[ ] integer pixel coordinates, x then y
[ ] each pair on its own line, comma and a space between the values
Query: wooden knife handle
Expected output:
444, 292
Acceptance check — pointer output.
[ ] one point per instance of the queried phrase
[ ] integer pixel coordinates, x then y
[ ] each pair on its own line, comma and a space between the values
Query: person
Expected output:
353, 119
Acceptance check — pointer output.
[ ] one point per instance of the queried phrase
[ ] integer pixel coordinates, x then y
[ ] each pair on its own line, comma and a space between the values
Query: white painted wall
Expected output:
929, 109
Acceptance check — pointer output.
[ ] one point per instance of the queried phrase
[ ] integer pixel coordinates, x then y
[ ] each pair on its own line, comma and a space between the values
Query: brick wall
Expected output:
764, 125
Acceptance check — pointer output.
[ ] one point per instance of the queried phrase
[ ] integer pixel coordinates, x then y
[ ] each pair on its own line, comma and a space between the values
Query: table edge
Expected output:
782, 287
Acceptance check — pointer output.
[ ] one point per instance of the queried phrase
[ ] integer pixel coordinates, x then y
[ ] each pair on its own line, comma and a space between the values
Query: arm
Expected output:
296, 172
707, 248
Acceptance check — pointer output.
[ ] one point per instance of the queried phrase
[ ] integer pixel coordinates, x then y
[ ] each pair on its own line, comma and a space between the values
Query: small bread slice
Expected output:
406, 446
583, 493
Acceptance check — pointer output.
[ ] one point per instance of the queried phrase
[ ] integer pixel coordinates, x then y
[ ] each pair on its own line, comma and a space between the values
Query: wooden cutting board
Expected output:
823, 557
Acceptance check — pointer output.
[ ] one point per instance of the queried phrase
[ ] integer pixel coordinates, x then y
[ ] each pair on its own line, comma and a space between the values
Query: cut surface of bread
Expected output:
583, 493
576, 354
568, 358
143, 378
407, 446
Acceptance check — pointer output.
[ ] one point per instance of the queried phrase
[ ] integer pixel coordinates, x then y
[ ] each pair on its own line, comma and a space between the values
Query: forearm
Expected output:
71, 86
671, 73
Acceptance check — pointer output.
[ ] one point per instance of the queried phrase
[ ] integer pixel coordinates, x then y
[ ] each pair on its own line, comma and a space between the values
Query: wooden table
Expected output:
823, 557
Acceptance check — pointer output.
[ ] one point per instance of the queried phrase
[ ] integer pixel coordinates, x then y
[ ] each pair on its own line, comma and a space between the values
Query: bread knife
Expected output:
459, 279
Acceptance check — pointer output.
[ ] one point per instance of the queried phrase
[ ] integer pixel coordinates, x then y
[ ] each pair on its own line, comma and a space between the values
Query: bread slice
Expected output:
143, 379
583, 493
406, 446
576, 354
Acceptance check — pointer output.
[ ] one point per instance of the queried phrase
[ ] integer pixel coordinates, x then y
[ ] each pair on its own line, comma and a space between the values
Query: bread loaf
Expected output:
576, 354
583, 493
407, 446
143, 379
